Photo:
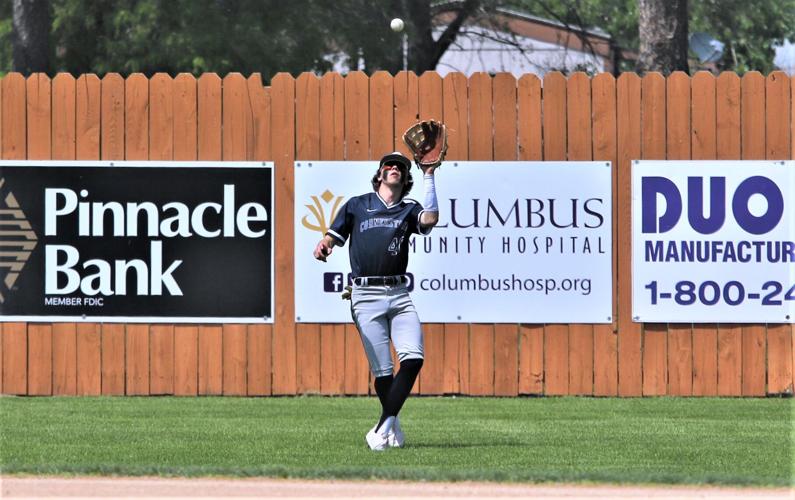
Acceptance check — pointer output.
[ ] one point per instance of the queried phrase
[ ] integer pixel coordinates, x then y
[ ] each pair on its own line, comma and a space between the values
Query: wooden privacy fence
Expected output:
359, 118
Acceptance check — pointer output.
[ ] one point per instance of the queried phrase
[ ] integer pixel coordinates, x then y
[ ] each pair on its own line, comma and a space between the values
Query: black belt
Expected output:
380, 280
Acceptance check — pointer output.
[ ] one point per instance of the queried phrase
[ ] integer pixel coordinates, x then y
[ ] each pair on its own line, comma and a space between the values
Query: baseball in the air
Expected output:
396, 25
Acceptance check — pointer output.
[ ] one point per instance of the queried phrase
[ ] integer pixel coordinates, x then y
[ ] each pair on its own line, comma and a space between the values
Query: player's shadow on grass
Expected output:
464, 445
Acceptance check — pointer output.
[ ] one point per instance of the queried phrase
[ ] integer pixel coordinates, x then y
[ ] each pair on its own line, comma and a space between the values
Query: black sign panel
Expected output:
136, 241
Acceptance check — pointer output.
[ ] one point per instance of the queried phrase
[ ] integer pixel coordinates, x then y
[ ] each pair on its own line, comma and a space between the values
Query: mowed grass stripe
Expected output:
661, 440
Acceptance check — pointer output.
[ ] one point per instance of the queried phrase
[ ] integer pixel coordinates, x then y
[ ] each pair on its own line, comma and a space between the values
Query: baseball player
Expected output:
379, 225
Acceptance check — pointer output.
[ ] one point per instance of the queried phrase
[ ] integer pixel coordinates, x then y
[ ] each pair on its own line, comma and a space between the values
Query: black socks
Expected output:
396, 391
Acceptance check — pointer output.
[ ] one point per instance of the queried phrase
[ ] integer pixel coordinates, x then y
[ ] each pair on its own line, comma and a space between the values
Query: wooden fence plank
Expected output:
89, 109
113, 96
39, 359
161, 358
531, 359
236, 130
728, 140
186, 360
653, 146
628, 114
531, 337
234, 347
433, 368
39, 147
406, 102
38, 93
680, 336
332, 359
14, 122
64, 117
705, 360
431, 379
161, 147
730, 360
238, 139
529, 113
307, 120
15, 359
161, 117
481, 148
506, 337
100, 107
728, 129
332, 117
210, 361
753, 360
556, 336
136, 147
260, 342
778, 147
357, 127
13, 146
260, 337
136, 117
382, 130
704, 144
137, 360
89, 359
580, 147
779, 359
455, 110
605, 338
283, 143
209, 117
704, 113
260, 98
506, 360
113, 373
753, 148
209, 132
332, 142
357, 140
64, 359
185, 129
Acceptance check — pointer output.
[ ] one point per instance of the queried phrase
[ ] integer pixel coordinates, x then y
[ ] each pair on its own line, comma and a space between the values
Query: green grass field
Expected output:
662, 440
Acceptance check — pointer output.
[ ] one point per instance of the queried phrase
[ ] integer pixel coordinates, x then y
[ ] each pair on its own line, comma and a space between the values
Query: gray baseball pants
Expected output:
381, 313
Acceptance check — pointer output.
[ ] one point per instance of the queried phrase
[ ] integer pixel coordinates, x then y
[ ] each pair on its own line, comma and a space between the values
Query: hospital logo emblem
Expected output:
325, 204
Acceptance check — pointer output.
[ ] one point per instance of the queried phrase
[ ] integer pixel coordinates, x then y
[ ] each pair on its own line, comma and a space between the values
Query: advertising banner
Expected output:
136, 241
713, 241
517, 242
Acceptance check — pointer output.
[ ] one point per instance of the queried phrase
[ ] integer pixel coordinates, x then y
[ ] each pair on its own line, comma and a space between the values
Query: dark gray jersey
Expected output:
379, 234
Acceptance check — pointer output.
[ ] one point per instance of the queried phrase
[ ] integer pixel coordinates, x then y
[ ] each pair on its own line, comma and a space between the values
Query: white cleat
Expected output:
396, 437
377, 441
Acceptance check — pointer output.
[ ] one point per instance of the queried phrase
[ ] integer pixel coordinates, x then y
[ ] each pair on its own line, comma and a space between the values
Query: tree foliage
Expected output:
750, 30
268, 36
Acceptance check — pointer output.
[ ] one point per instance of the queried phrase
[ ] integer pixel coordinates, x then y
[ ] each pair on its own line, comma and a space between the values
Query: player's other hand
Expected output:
322, 250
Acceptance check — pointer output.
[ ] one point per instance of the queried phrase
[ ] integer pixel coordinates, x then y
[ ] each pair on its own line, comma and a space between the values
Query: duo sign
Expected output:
713, 241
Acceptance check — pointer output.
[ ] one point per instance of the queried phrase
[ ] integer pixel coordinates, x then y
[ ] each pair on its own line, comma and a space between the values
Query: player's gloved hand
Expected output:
346, 293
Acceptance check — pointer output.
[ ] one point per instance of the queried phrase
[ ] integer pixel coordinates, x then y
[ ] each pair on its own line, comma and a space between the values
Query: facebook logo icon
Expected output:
332, 282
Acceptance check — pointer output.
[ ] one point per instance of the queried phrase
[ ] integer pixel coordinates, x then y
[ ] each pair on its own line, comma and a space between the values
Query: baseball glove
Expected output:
427, 141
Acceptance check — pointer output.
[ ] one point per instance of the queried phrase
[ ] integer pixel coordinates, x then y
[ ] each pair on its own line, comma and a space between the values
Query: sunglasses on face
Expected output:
400, 166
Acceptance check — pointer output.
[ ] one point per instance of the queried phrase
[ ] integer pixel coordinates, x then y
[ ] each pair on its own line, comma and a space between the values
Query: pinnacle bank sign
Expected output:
136, 241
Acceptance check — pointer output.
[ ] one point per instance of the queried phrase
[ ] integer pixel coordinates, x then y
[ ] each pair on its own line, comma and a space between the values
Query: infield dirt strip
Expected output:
101, 487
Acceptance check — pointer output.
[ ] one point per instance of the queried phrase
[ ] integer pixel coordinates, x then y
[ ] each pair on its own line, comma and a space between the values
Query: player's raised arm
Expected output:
430, 205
